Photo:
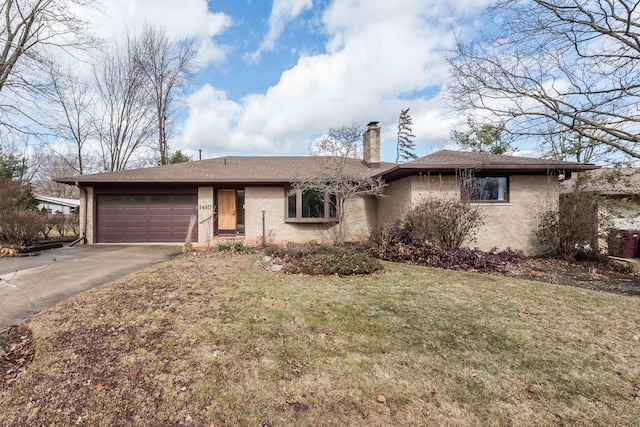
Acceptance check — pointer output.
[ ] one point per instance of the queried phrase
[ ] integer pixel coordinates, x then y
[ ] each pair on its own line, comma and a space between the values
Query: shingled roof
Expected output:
287, 169
620, 181
449, 161
233, 169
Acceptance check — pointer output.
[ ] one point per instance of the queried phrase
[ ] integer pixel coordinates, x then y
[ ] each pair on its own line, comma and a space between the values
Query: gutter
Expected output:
83, 232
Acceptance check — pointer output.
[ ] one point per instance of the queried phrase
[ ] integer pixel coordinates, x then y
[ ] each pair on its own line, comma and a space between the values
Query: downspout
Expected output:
83, 232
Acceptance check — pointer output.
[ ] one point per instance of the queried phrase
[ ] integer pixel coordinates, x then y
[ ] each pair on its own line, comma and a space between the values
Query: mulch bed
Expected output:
17, 349
607, 277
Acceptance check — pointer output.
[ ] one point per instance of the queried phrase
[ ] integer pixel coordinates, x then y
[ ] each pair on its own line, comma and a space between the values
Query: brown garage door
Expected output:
144, 218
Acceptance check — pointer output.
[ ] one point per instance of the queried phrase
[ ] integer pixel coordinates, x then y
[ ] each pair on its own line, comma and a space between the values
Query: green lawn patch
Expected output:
216, 342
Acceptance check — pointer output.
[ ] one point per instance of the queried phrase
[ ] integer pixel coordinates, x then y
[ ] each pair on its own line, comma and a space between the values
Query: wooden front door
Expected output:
227, 210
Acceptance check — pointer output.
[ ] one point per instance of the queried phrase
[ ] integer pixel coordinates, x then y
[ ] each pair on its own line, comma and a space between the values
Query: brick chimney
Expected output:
371, 145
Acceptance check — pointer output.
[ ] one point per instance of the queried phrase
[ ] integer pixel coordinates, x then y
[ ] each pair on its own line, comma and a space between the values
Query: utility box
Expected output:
630, 243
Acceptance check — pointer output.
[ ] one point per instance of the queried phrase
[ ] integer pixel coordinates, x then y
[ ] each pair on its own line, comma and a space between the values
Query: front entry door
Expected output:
227, 210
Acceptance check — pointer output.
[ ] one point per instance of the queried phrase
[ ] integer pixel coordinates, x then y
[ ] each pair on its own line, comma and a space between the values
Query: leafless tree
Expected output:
19, 159
340, 181
30, 30
344, 142
572, 63
57, 165
125, 122
74, 120
560, 144
337, 187
168, 66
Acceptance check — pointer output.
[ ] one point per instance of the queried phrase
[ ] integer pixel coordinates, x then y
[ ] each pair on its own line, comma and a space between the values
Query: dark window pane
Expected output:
486, 188
240, 211
333, 209
312, 205
291, 205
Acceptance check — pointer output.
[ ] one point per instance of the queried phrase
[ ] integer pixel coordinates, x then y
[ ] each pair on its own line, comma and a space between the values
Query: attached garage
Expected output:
141, 218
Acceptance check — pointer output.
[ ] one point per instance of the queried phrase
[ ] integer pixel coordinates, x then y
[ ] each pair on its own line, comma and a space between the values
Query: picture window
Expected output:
486, 189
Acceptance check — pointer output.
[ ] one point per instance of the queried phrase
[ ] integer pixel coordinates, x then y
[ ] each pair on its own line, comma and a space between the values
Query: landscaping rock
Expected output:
269, 264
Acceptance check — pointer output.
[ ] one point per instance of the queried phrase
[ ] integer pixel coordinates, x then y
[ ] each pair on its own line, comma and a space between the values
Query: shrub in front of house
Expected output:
397, 243
319, 260
569, 230
445, 220
330, 261
295, 250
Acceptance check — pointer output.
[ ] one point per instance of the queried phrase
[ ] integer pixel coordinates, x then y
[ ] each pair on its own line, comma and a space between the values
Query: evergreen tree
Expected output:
26, 200
405, 145
179, 157
15, 190
12, 166
484, 138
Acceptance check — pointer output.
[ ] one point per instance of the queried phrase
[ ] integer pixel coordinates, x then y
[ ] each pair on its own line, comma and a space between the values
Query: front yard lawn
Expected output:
214, 341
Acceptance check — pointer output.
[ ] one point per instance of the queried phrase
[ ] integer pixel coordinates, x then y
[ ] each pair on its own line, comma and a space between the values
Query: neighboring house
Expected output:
621, 187
58, 205
618, 208
251, 198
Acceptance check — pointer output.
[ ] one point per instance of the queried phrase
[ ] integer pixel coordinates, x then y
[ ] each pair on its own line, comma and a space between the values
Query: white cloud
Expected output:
379, 57
282, 12
183, 19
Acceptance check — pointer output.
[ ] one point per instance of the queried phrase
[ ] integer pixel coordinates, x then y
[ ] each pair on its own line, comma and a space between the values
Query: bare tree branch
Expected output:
168, 66
74, 120
572, 63
344, 142
30, 31
340, 181
126, 118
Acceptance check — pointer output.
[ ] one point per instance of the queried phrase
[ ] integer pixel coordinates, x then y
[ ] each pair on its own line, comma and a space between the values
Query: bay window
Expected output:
310, 206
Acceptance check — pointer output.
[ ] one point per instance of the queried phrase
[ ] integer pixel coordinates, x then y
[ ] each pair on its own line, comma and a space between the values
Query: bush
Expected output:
20, 227
294, 250
397, 243
72, 223
54, 221
329, 261
447, 221
571, 227
234, 246
319, 260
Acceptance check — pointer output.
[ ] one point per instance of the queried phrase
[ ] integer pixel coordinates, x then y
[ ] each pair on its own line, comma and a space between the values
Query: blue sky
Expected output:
275, 75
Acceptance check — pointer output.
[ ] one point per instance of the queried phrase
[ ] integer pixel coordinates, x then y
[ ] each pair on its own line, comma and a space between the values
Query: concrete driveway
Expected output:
29, 284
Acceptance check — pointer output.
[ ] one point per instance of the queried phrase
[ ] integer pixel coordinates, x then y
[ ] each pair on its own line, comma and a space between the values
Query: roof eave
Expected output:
402, 171
88, 183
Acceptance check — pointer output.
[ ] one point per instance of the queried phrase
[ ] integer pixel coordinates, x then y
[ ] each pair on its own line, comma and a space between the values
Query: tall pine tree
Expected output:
405, 145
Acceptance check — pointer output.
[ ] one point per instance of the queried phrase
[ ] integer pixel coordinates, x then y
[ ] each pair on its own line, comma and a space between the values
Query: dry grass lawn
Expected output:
209, 342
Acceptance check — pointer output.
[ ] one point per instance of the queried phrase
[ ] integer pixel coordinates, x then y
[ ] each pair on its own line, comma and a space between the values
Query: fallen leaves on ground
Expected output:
587, 275
16, 352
